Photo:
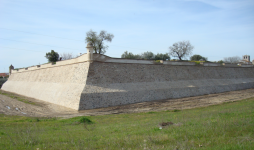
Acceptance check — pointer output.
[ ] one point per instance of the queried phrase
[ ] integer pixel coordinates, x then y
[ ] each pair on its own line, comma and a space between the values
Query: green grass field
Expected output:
229, 126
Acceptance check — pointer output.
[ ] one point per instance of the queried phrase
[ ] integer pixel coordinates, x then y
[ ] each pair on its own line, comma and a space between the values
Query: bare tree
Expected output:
232, 60
66, 56
98, 40
181, 49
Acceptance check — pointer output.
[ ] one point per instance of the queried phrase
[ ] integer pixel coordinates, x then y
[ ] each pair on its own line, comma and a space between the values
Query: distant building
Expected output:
253, 61
245, 60
4, 75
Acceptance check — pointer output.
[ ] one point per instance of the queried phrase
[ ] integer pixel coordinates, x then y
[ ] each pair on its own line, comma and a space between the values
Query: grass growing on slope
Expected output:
18, 97
225, 126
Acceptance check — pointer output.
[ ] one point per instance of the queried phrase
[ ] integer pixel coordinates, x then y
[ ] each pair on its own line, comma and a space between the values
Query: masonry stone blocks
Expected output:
95, 81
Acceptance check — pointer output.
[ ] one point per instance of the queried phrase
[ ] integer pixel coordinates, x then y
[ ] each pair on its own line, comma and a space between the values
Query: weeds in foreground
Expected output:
226, 126
18, 97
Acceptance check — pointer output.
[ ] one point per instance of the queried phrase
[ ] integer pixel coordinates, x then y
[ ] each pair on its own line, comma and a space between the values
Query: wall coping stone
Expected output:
105, 58
210, 64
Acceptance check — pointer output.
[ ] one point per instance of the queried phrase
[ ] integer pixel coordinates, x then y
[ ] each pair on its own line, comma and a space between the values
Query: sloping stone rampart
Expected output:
103, 81
110, 84
60, 85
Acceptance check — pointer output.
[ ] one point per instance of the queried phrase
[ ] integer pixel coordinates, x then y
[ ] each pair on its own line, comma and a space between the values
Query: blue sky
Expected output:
216, 28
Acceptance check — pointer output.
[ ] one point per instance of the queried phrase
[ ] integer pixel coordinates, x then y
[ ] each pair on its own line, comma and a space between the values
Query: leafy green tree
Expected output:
130, 55
220, 61
161, 56
52, 56
147, 55
98, 40
198, 58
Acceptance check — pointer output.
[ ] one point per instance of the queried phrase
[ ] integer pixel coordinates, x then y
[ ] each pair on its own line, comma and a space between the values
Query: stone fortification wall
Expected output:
82, 58
110, 84
61, 84
94, 80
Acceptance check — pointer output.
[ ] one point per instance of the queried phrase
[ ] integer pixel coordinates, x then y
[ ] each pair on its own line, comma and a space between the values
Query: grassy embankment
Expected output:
225, 126
17, 97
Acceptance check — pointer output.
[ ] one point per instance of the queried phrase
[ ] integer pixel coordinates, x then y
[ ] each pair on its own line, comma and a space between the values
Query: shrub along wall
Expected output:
2, 81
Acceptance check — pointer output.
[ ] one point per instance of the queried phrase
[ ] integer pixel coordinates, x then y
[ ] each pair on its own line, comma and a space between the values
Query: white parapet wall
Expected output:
82, 58
104, 58
210, 64
179, 63
245, 65
230, 65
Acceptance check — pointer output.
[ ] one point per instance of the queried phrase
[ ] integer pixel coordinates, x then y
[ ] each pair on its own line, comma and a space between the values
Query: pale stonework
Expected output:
96, 80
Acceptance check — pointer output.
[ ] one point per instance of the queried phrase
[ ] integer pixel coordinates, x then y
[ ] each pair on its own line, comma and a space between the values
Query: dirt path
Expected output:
12, 106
